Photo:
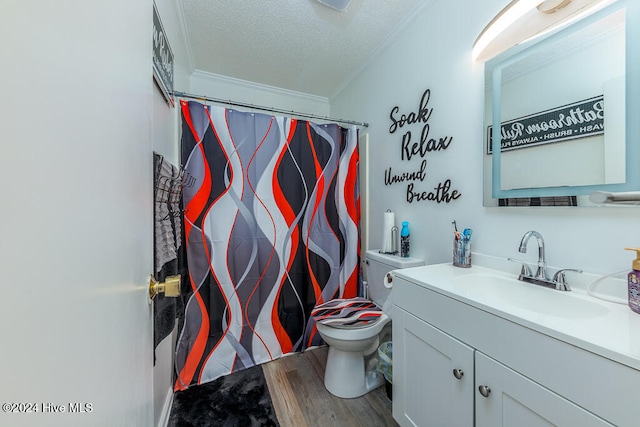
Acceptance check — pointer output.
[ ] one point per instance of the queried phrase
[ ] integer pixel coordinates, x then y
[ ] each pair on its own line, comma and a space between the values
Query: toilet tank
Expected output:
376, 267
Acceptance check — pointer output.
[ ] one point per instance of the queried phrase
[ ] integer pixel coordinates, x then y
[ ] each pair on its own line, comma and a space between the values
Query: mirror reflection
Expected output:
560, 106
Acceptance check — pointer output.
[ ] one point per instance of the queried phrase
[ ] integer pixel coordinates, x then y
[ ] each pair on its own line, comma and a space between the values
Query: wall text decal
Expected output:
411, 147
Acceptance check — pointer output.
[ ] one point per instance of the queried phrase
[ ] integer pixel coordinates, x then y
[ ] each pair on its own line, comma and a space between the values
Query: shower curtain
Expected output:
272, 229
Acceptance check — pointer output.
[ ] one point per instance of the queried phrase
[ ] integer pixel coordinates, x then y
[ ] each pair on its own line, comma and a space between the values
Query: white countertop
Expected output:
605, 328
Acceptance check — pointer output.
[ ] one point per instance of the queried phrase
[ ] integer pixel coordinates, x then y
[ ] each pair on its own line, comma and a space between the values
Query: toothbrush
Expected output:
467, 233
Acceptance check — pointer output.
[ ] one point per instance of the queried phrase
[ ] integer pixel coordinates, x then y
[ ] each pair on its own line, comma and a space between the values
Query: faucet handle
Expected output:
560, 279
525, 271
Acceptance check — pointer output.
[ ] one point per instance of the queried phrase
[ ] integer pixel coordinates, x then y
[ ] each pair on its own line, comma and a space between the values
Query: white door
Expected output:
506, 398
76, 221
433, 375
165, 143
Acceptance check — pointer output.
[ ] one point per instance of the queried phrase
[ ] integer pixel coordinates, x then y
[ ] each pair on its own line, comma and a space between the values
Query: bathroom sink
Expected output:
507, 291
486, 281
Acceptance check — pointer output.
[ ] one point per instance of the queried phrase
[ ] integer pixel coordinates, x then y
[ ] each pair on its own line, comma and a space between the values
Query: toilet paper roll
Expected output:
387, 281
388, 223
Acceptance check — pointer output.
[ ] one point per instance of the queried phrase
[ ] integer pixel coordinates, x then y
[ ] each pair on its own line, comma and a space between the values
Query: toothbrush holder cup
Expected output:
462, 252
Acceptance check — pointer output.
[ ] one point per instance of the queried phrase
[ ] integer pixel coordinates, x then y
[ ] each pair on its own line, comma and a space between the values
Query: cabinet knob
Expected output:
484, 390
458, 373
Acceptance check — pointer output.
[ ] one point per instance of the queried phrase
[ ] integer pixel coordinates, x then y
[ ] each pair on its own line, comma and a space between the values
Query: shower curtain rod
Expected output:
269, 109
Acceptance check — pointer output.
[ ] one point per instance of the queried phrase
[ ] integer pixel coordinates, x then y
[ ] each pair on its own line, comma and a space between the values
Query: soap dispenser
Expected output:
634, 282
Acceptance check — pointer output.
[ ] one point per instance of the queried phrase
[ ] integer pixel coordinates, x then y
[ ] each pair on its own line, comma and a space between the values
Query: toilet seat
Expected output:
349, 313
353, 334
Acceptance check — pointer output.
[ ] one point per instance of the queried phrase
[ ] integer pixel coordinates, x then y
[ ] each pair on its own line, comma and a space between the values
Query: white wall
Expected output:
165, 141
226, 88
434, 51
76, 179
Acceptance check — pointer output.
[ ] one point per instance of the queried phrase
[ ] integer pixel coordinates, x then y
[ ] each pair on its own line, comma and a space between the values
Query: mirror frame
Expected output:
493, 71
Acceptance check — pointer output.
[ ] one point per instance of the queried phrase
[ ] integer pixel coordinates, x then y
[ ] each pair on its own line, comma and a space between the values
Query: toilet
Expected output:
349, 371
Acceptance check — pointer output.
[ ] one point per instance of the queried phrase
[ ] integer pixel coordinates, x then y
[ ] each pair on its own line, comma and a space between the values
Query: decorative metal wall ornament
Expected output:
410, 148
162, 59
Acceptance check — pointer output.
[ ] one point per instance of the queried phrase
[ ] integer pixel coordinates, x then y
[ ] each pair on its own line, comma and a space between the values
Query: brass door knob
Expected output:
170, 287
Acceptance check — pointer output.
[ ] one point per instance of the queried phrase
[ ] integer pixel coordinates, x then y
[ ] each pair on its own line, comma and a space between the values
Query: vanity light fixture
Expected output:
552, 6
499, 25
522, 20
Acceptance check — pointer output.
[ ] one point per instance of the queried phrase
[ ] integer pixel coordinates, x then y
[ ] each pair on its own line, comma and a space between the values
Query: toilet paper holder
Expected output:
394, 241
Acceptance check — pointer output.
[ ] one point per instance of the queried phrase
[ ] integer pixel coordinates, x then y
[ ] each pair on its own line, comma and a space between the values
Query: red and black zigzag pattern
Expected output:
272, 229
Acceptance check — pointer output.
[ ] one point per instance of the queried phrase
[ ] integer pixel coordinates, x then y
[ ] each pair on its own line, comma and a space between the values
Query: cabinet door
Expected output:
515, 401
426, 366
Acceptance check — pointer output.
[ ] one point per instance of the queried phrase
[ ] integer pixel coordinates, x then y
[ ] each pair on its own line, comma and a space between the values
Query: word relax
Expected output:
425, 145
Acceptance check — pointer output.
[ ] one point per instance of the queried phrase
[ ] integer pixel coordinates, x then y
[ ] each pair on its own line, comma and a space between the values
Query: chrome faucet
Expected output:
541, 277
541, 271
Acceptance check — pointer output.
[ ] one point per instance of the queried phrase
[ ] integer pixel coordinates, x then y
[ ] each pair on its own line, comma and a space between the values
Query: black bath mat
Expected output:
240, 399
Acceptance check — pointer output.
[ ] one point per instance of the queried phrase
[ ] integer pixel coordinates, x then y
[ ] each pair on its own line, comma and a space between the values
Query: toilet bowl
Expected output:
350, 370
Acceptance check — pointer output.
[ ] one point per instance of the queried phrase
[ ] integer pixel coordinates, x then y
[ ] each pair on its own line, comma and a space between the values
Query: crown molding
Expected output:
260, 87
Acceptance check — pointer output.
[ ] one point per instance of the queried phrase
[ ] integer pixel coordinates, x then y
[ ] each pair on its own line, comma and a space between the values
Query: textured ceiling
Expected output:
300, 45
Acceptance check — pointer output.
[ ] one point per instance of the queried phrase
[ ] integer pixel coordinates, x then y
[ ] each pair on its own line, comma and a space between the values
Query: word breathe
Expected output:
410, 148
441, 193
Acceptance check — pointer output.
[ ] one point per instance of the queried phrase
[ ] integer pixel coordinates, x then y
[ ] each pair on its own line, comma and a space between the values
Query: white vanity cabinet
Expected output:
445, 350
510, 399
432, 373
439, 380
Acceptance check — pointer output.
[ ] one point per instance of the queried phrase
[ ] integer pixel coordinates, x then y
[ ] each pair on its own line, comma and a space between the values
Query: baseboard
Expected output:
166, 409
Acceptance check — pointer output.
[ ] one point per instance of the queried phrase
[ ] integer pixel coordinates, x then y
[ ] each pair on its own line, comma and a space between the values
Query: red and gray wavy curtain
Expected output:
272, 229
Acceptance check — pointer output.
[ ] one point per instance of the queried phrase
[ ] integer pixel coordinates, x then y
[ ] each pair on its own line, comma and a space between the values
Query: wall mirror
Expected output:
562, 113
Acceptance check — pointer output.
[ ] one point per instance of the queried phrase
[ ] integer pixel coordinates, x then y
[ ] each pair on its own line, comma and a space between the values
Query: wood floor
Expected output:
300, 399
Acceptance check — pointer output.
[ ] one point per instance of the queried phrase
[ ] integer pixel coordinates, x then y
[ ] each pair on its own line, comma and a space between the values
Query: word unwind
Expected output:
419, 175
